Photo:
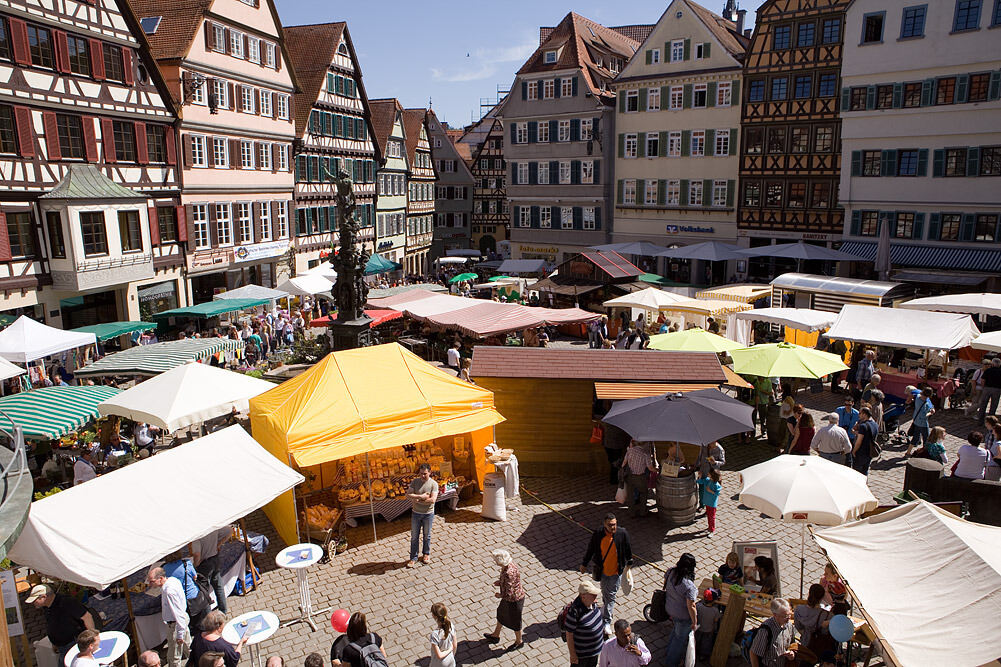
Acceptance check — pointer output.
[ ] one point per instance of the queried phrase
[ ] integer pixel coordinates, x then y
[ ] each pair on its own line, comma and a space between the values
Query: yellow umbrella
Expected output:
693, 340
785, 360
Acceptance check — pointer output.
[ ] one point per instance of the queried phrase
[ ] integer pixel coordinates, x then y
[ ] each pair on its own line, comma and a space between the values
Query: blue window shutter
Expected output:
622, 101
533, 173
575, 87
962, 88
994, 90
846, 99
517, 215
575, 129
514, 131
514, 173
554, 131
619, 190
684, 193
938, 162
575, 172
597, 171
923, 162
919, 226
856, 163
934, 226
578, 217
856, 227
973, 161
927, 86
966, 229
533, 131
534, 217
556, 88
898, 95
524, 90
870, 97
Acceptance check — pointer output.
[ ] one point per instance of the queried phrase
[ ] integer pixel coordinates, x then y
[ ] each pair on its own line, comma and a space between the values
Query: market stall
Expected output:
27, 340
971, 304
370, 415
931, 611
377, 316
307, 285
48, 413
803, 325
702, 309
115, 329
741, 293
252, 292
212, 308
160, 357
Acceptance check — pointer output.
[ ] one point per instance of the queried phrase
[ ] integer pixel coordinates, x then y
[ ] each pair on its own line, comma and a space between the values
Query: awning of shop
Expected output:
207, 484
115, 329
378, 264
741, 293
708, 308
899, 327
618, 391
804, 319
156, 291
52, 412
393, 291
487, 318
937, 256
940, 278
212, 308
158, 357
251, 292
377, 316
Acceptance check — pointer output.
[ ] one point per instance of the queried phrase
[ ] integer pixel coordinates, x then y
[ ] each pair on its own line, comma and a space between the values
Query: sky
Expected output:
452, 52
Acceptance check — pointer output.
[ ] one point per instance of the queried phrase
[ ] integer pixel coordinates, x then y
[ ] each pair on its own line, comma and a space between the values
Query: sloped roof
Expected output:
311, 49
464, 152
178, 25
574, 35
383, 112
725, 31
584, 364
413, 120
84, 181
635, 32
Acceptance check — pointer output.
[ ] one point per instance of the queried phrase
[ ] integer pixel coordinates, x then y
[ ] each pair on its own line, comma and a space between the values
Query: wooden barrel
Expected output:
677, 501
776, 427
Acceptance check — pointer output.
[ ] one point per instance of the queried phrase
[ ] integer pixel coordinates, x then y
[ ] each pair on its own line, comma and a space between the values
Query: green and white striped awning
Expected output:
52, 412
158, 357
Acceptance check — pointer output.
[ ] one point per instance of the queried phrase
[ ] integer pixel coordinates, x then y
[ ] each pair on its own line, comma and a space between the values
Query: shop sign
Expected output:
690, 229
540, 251
210, 258
255, 251
385, 245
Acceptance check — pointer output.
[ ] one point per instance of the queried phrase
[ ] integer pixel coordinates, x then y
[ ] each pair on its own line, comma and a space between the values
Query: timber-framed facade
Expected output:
491, 219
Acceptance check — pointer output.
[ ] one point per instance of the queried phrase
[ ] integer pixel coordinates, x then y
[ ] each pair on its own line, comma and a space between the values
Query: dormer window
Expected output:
343, 49
550, 57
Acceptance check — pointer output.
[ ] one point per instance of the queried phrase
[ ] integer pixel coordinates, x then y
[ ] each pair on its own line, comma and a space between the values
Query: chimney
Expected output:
747, 33
741, 16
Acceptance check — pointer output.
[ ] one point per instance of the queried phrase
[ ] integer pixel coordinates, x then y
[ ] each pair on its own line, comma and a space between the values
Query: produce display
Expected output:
321, 517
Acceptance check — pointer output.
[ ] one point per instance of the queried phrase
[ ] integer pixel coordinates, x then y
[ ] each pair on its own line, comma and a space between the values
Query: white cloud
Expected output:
474, 72
484, 63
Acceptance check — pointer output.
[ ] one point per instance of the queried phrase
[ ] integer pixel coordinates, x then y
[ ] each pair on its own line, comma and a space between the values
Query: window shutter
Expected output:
846, 99
130, 77
5, 254
186, 140
575, 129
524, 90
710, 147
962, 88
710, 91
62, 51
922, 162
597, 217
661, 191
554, 215
209, 36
898, 95
683, 199
622, 145
533, 217
856, 227
891, 219
662, 144
533, 173
575, 172
533, 131
870, 97
620, 189
154, 226
938, 162
934, 226
622, 101
686, 140
556, 87
142, 149
96, 59
730, 187
235, 157
733, 141
597, 172
554, 131
574, 87
171, 147
595, 127
856, 163
973, 161
649, 57
108, 140
917, 231
688, 49
994, 90
686, 96
966, 229
891, 163
884, 163
641, 102
90, 140
554, 172
52, 149
514, 173
231, 94
640, 144
707, 192
514, 129
926, 92
213, 226
19, 37
25, 132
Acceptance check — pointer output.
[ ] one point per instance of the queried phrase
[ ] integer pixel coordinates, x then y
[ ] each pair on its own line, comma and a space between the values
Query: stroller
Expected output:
891, 425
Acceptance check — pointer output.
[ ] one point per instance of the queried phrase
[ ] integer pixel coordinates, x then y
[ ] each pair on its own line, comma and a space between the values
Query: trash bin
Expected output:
493, 497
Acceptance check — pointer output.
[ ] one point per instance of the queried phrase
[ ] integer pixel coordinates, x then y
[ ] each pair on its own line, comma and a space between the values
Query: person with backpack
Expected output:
609, 553
359, 648
771, 640
865, 442
582, 626
679, 603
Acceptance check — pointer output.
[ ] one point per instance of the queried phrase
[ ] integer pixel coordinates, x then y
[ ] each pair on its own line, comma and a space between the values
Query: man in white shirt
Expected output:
83, 469
454, 361
174, 608
831, 441
87, 642
624, 649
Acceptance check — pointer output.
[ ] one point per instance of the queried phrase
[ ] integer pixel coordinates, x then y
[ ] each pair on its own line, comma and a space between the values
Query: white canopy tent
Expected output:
738, 325
990, 341
650, 298
895, 327
9, 370
307, 284
251, 292
207, 484
188, 394
931, 610
26, 340
973, 304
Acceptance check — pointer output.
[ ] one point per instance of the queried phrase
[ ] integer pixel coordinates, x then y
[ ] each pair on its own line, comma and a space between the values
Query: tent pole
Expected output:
295, 507
132, 616
802, 557
371, 502
250, 556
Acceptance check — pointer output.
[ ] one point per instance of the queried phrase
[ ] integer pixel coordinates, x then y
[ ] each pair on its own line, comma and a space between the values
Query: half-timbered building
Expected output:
333, 134
227, 68
391, 201
89, 187
790, 128
490, 207
453, 189
421, 180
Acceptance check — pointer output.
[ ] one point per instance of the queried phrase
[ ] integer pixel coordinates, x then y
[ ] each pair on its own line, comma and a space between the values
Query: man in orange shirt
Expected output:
609, 554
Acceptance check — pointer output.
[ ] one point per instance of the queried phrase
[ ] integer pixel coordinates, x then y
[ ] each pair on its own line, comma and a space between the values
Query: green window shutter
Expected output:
884, 163
966, 229
556, 88
619, 190
330, 82
934, 226
870, 97
923, 162
640, 144
973, 161
710, 147
710, 91
622, 145
730, 187
846, 99
514, 131
891, 218
683, 200
649, 56
707, 192
856, 163
856, 227
688, 49
533, 131
686, 97
524, 90
661, 191
686, 140
667, 52
962, 88
733, 141
640, 192
927, 86
299, 168
339, 87
622, 101
642, 100
891, 163
938, 163
707, 50
662, 145
574, 91
898, 95
919, 226
735, 93
994, 89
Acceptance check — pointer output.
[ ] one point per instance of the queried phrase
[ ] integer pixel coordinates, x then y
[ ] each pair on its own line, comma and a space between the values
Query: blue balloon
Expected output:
841, 628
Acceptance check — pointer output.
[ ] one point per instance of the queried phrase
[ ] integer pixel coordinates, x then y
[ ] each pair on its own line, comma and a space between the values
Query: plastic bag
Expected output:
620, 495
627, 581
690, 652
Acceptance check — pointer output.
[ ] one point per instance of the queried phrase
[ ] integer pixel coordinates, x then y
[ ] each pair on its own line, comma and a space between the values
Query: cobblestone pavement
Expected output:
546, 532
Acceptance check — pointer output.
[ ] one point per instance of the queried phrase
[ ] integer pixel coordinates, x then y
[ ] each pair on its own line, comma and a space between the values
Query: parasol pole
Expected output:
132, 616
802, 556
295, 506
371, 502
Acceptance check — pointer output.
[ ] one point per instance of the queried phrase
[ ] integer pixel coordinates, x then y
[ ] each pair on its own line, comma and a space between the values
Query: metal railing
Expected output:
17, 467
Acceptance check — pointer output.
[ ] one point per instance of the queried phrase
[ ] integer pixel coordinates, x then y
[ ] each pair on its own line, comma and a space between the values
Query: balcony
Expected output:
101, 272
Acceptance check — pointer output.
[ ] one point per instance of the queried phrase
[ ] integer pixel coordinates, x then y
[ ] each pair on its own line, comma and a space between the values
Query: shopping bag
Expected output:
620, 495
627, 581
690, 652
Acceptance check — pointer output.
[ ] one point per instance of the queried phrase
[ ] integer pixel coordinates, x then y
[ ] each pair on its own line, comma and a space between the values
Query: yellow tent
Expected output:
364, 400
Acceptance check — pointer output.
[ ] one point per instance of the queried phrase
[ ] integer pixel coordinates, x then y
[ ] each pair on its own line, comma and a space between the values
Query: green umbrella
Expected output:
785, 360
693, 340
378, 264
496, 278
462, 276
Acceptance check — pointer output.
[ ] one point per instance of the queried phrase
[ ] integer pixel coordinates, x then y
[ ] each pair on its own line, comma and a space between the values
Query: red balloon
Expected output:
339, 620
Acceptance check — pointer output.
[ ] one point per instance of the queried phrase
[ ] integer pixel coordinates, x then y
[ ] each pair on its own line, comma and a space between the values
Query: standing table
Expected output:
298, 557
234, 630
113, 646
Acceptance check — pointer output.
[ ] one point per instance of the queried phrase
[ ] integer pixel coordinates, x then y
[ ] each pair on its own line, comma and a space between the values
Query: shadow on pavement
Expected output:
376, 568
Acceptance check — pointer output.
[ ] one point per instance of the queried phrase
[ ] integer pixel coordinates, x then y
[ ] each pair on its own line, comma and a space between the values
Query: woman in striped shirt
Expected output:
585, 632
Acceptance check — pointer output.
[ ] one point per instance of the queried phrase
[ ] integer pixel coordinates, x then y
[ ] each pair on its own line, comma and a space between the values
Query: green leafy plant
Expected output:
45, 494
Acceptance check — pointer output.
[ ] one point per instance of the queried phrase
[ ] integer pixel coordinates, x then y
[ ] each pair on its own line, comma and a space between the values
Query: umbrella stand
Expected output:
371, 503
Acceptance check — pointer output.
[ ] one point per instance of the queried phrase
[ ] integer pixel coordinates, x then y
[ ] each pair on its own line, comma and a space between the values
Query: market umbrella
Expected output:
806, 489
693, 340
785, 360
710, 251
642, 248
496, 278
462, 276
801, 250
378, 264
698, 417
651, 298
883, 264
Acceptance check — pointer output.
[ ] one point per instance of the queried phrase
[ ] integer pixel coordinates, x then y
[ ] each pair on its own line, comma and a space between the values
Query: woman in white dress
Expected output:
442, 639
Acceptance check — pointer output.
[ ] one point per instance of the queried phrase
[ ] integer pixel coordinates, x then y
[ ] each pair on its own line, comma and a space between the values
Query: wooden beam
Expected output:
250, 556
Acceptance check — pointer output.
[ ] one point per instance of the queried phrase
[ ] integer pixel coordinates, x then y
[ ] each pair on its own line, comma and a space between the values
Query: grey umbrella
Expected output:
801, 250
698, 417
642, 248
710, 251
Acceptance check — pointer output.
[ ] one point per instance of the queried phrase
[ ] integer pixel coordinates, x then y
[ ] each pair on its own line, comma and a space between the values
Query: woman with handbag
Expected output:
811, 621
512, 599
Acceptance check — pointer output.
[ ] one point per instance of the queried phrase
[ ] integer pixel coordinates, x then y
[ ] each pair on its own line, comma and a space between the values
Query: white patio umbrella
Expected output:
806, 489
650, 298
188, 394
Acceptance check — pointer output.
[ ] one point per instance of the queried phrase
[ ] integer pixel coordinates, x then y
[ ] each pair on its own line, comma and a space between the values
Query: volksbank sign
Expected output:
690, 229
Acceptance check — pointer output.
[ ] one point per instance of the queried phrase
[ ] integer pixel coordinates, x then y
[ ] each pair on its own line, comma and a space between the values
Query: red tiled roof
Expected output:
724, 30
311, 49
413, 121
586, 364
178, 25
383, 112
634, 32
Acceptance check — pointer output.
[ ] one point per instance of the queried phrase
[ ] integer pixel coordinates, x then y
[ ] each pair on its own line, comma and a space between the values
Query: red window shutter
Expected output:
130, 78
209, 35
62, 52
108, 140
51, 136
5, 254
228, 46
90, 139
19, 36
246, 45
182, 225
142, 149
154, 227
186, 222
231, 94
255, 209
274, 157
25, 133
235, 158
278, 58
171, 147
96, 59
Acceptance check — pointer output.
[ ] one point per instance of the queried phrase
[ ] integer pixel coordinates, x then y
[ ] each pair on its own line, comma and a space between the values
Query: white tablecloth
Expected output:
509, 469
